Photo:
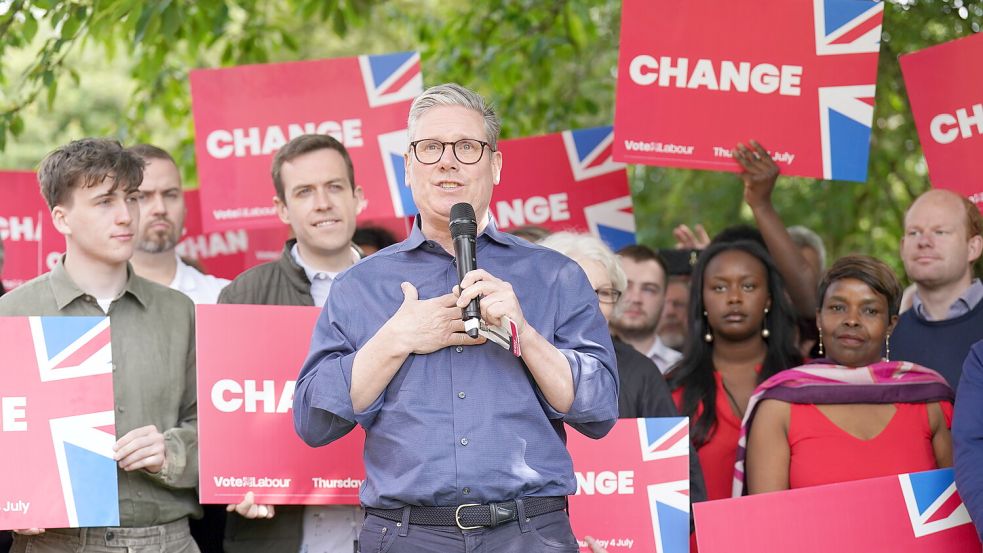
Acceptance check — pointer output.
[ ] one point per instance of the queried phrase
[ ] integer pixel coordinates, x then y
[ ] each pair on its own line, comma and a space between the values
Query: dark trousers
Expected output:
549, 533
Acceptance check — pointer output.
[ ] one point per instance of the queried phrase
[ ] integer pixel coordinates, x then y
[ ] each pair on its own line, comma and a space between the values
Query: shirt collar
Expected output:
311, 272
66, 291
417, 239
963, 304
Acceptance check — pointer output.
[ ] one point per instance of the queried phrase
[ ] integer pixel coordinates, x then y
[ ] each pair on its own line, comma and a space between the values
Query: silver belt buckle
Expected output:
457, 516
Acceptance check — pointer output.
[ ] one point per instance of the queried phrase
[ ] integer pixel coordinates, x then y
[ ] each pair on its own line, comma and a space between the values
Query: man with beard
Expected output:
641, 307
162, 213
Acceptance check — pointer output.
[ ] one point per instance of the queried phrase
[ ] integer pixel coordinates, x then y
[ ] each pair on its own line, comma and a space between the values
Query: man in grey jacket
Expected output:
316, 195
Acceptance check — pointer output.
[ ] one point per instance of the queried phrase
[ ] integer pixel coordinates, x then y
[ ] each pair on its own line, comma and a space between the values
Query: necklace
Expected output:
733, 401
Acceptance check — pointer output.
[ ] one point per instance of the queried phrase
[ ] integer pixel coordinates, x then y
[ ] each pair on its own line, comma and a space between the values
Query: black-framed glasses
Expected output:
467, 150
608, 295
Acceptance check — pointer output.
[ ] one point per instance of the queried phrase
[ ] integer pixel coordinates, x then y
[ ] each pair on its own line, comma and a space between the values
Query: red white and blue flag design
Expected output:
933, 503
57, 428
695, 79
243, 115
633, 486
907, 513
565, 181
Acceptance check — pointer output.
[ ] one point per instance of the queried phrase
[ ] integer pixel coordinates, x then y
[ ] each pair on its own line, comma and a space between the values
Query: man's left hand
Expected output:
498, 298
142, 448
760, 174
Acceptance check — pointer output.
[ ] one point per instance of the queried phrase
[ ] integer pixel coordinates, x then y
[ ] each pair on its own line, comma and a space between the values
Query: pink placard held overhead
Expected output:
565, 181
246, 431
243, 115
945, 88
633, 486
910, 513
31, 244
57, 423
696, 78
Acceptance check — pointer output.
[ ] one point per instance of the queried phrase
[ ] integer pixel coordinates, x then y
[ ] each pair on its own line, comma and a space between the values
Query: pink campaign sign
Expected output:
696, 78
633, 486
909, 513
31, 244
243, 115
245, 412
565, 181
946, 97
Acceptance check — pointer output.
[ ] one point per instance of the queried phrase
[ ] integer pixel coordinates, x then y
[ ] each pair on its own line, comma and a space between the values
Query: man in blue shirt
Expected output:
464, 445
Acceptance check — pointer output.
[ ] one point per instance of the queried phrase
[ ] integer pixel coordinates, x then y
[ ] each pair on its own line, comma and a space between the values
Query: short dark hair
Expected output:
641, 253
87, 162
871, 271
304, 144
149, 151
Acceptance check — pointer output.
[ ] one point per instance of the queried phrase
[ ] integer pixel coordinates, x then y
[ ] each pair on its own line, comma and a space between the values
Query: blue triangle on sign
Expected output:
674, 524
849, 147
841, 12
92, 474
615, 238
384, 65
655, 428
586, 140
61, 332
405, 194
928, 486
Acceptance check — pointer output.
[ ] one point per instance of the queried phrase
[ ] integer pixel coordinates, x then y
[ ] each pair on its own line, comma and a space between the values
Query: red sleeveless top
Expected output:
823, 453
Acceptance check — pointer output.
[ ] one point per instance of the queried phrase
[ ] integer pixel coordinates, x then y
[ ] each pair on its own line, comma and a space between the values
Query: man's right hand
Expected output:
29, 531
249, 509
425, 326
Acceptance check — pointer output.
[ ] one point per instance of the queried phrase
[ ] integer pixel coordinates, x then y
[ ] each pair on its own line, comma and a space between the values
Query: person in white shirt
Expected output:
162, 213
638, 314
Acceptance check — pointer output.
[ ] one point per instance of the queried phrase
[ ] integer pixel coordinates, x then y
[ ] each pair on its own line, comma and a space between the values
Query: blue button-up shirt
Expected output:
462, 424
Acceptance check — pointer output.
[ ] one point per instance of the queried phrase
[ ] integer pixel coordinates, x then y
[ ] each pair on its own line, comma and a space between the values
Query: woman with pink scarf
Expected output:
851, 415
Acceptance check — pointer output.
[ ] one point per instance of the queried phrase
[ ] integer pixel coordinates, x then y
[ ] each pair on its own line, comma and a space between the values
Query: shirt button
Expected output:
462, 395
466, 491
110, 536
464, 441
120, 409
459, 349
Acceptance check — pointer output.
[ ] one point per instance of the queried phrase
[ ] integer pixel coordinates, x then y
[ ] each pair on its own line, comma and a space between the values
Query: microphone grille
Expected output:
462, 220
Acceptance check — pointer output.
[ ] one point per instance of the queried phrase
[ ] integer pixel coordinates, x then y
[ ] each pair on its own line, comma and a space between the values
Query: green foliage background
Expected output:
119, 68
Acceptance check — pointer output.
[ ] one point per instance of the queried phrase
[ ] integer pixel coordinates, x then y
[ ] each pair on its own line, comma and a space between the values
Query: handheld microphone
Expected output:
464, 231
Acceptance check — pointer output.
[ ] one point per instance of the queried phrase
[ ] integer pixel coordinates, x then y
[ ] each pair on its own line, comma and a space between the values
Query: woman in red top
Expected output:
839, 419
742, 331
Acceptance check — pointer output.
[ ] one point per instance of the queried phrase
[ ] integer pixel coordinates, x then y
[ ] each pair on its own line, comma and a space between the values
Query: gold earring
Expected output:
765, 333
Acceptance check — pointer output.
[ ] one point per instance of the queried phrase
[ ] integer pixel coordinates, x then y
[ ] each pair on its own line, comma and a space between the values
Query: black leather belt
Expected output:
474, 515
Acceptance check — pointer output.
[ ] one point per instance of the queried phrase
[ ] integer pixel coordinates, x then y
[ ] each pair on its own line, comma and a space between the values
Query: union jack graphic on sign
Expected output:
932, 501
848, 27
59, 369
391, 78
589, 151
846, 113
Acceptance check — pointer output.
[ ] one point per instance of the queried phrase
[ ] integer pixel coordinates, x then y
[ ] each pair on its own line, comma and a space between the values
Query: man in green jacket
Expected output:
316, 195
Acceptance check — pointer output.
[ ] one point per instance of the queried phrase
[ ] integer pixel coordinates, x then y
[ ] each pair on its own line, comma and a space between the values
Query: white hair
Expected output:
453, 94
805, 237
585, 246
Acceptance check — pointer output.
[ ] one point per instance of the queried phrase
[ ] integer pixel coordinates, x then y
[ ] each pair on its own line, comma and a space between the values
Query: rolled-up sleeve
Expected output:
581, 335
967, 434
323, 409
